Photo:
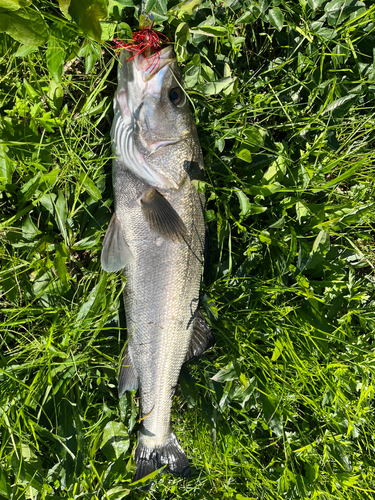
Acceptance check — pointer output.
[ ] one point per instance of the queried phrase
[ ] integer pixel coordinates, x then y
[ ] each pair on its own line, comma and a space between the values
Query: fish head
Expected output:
152, 103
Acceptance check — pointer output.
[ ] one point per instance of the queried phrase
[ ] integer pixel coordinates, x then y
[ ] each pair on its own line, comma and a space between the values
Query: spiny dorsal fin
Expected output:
115, 252
202, 338
128, 378
161, 217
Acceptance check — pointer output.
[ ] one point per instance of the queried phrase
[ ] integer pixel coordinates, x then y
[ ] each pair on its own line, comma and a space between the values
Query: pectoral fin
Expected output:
115, 252
202, 338
161, 217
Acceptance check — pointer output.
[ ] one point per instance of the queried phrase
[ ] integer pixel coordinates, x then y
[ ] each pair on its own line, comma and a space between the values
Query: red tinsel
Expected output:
144, 40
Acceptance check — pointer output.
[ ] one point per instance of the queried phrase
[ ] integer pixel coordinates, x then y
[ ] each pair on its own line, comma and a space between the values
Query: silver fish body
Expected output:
157, 235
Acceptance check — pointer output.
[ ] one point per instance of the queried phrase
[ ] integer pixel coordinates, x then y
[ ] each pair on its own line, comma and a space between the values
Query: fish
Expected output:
157, 237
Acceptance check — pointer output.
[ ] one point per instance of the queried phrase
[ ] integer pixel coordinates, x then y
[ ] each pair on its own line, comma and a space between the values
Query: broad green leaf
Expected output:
322, 243
115, 9
255, 137
86, 243
247, 17
47, 284
67, 444
213, 30
30, 90
90, 61
327, 33
251, 15
14, 4
25, 50
87, 15
265, 237
117, 493
89, 186
207, 72
115, 440
94, 301
24, 25
61, 214
244, 154
279, 346
340, 107
213, 88
5, 489
315, 4
303, 177
266, 190
188, 6
220, 144
47, 200
29, 229
245, 204
182, 33
354, 216
339, 10
209, 215
272, 415
31, 186
55, 57
56, 94
334, 5
126, 29
10, 289
279, 224
256, 209
285, 481
149, 5
232, 372
347, 479
161, 8
64, 7
332, 140
276, 18
192, 71
301, 211
59, 264
275, 172
5, 166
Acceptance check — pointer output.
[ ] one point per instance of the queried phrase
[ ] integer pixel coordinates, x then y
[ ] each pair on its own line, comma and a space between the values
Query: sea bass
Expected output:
156, 235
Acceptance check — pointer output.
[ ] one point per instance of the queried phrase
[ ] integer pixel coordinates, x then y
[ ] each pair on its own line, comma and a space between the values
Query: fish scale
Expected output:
157, 235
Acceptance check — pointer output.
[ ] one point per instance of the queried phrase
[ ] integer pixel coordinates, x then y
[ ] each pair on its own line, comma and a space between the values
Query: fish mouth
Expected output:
153, 64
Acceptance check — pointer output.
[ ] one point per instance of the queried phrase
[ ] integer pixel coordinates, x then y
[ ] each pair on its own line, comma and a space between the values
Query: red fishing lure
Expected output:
147, 41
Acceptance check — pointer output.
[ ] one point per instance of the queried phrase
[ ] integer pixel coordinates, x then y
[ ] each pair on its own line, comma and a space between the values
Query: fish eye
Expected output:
177, 96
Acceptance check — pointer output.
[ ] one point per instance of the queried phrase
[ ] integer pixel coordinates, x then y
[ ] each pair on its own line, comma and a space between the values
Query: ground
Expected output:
282, 407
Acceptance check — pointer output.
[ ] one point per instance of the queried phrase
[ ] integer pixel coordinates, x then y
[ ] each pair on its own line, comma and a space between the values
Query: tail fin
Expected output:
150, 459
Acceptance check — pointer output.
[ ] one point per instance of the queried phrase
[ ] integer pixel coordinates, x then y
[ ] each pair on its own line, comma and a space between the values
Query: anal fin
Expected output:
202, 338
161, 217
115, 252
128, 378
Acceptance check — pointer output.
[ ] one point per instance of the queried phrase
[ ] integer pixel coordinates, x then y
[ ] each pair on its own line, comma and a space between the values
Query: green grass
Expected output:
282, 407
